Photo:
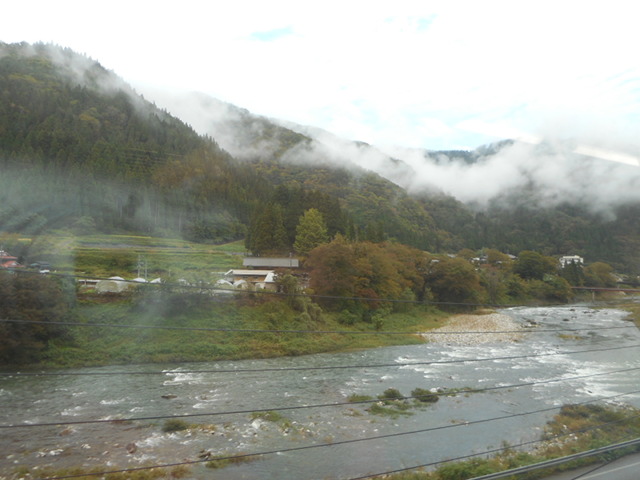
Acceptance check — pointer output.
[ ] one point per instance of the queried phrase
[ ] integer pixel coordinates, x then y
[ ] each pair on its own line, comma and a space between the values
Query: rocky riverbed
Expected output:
488, 328
590, 364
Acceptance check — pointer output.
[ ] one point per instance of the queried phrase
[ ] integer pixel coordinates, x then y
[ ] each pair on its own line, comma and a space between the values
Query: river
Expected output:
541, 379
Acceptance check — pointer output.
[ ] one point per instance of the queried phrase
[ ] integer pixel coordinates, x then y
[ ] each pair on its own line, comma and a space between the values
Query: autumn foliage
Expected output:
365, 274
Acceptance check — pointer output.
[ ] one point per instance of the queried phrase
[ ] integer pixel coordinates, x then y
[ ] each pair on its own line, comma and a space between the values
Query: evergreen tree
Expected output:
310, 232
31, 298
267, 233
572, 273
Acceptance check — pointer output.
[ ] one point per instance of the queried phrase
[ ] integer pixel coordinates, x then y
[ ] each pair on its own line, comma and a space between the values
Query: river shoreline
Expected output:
216, 334
476, 329
526, 383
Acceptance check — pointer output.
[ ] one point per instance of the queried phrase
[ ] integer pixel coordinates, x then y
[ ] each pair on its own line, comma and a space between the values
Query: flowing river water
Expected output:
543, 376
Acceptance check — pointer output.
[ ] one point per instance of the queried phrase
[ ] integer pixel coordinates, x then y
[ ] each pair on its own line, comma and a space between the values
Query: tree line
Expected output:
32, 298
360, 278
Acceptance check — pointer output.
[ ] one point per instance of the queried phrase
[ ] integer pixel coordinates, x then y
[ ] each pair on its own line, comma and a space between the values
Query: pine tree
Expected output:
268, 234
310, 232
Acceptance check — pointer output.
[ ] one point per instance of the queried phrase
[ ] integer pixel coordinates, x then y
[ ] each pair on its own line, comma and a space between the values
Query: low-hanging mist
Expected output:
556, 174
552, 169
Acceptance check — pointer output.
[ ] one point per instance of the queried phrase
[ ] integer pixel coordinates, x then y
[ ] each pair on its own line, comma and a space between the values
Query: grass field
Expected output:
202, 328
130, 256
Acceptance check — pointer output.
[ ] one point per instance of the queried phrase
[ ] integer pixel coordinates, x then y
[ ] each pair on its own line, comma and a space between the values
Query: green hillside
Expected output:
80, 149
82, 152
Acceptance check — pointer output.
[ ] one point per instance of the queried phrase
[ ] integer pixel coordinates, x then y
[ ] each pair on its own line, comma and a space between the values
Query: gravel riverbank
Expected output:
490, 328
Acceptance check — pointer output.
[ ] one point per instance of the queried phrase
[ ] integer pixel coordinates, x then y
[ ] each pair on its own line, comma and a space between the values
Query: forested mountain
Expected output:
81, 150
506, 195
125, 165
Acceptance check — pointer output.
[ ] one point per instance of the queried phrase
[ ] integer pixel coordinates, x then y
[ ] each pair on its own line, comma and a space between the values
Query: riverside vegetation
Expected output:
576, 428
219, 317
102, 345
402, 287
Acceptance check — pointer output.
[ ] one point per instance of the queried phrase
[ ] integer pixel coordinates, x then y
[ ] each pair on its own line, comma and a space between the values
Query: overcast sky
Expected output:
429, 74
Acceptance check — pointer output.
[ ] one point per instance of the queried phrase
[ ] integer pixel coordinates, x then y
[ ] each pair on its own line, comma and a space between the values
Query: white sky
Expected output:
430, 74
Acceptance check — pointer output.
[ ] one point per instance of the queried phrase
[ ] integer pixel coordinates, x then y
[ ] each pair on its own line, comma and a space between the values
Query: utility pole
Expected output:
142, 266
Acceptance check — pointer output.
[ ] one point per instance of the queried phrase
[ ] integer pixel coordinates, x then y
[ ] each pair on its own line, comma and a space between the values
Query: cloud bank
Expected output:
554, 170
414, 74
560, 170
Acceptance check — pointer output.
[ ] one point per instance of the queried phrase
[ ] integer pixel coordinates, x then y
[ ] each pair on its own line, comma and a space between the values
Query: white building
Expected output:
571, 259
262, 279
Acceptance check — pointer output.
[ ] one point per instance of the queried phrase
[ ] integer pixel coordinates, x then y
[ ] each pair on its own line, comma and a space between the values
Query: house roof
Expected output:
284, 262
10, 264
8, 261
4, 256
269, 275
249, 273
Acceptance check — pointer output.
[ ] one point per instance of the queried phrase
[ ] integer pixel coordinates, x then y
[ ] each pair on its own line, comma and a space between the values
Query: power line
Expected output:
305, 407
561, 460
311, 368
213, 288
367, 439
342, 332
131, 149
347, 332
605, 289
553, 462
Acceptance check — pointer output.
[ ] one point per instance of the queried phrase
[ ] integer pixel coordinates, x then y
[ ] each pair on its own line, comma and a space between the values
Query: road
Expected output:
625, 468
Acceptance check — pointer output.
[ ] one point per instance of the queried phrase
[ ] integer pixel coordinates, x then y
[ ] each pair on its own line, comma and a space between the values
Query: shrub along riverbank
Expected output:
577, 428
634, 311
154, 326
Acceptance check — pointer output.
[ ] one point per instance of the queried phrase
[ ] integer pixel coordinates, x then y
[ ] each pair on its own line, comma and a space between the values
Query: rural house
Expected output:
261, 279
8, 261
569, 259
